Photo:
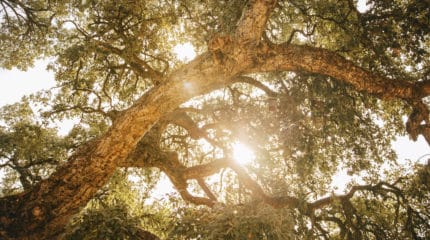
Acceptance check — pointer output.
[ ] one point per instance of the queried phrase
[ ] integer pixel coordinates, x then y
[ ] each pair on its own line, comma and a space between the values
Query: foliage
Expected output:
303, 126
117, 213
108, 223
250, 221
25, 31
29, 149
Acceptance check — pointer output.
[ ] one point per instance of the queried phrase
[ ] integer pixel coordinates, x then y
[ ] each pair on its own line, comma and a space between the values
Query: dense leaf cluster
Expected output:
303, 127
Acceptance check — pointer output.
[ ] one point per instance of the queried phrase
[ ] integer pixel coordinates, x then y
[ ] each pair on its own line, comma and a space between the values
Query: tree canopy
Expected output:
310, 87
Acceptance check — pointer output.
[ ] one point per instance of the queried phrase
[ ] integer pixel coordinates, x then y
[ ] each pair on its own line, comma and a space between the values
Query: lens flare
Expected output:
242, 154
185, 51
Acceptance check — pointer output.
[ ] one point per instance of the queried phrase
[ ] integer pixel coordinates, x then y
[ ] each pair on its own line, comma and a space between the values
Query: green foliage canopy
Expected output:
303, 125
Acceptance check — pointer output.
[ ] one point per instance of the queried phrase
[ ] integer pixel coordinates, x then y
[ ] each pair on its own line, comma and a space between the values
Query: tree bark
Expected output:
292, 57
43, 212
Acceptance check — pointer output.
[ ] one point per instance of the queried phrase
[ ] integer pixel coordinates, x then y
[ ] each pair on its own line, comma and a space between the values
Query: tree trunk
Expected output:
43, 212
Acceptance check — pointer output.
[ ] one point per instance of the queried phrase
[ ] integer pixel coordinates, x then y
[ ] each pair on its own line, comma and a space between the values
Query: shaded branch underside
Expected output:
179, 175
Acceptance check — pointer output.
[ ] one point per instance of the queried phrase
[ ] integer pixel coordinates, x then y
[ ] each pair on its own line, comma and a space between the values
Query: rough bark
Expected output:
292, 57
42, 212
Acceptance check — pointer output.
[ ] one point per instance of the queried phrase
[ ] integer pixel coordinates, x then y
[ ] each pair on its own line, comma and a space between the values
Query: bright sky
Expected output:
184, 51
242, 153
362, 6
14, 83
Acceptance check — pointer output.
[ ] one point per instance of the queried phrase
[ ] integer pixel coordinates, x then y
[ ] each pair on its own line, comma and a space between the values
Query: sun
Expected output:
242, 154
184, 51
362, 6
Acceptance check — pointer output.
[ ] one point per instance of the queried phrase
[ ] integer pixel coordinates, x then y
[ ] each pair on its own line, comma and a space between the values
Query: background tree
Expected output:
311, 87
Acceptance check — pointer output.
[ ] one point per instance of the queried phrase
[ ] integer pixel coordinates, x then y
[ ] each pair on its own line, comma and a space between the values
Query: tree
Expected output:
312, 87
115, 213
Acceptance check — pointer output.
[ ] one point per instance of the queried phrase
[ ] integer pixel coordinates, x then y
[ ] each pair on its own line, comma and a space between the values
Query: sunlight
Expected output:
184, 51
340, 181
362, 6
242, 154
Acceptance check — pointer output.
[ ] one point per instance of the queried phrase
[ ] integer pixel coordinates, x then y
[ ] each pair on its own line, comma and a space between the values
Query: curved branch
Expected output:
317, 60
269, 92
381, 186
148, 154
205, 170
182, 119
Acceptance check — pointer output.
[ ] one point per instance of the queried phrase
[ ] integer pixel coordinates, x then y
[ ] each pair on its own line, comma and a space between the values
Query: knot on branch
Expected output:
113, 114
422, 88
220, 43
38, 213
414, 127
220, 46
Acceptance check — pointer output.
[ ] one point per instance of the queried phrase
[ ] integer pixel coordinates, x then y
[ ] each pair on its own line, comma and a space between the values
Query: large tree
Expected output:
311, 86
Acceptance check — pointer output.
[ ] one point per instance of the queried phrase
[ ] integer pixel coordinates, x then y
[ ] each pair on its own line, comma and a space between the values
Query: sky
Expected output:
15, 83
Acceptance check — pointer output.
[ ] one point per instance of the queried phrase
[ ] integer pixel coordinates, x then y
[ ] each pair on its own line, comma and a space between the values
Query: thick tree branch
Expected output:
317, 60
253, 22
89, 169
205, 170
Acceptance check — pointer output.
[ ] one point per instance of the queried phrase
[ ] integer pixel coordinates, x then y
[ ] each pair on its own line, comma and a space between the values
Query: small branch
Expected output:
205, 170
381, 186
276, 202
293, 33
206, 189
244, 79
84, 109
134, 61
196, 200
